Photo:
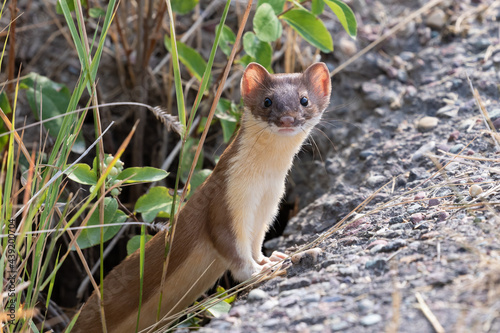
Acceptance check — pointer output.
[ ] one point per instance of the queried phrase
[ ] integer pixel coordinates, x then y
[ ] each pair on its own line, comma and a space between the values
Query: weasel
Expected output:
222, 226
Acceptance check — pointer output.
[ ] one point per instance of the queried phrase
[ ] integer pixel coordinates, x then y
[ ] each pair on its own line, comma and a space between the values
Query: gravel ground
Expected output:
419, 164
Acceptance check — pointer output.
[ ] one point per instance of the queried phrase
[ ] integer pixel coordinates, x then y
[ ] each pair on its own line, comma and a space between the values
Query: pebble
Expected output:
436, 19
294, 283
377, 264
365, 305
268, 305
365, 154
371, 319
394, 245
376, 248
456, 148
427, 123
480, 43
375, 180
475, 190
494, 114
348, 47
349, 271
257, 295
417, 217
422, 151
420, 195
433, 202
448, 111
396, 219
339, 326
454, 136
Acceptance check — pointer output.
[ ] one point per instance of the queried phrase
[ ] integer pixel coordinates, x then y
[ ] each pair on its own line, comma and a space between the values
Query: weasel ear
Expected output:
253, 79
317, 78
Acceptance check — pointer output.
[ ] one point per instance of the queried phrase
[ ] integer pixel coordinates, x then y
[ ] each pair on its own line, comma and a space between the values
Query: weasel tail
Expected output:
222, 226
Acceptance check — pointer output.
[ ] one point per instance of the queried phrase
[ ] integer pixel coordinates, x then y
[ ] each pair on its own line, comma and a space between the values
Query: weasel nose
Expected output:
287, 121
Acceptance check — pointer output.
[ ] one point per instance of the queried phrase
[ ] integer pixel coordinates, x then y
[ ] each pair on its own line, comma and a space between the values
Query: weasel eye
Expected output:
304, 101
267, 102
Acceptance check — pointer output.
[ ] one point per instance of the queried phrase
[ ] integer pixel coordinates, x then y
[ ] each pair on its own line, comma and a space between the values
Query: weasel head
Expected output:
288, 104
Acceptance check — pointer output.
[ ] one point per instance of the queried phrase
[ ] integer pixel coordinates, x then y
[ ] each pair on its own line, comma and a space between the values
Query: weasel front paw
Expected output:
275, 257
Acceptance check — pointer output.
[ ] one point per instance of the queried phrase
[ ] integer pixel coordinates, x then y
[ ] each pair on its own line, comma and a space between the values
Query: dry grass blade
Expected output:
484, 114
428, 314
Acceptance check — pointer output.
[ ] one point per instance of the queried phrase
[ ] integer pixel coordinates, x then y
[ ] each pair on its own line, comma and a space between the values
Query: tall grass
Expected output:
47, 211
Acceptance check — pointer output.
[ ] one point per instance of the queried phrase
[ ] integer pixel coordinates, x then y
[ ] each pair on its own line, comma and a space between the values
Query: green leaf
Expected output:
70, 4
96, 12
52, 99
112, 215
246, 59
155, 201
198, 178
345, 16
82, 174
188, 157
219, 309
257, 49
135, 242
189, 57
266, 24
310, 28
227, 39
317, 7
183, 6
228, 115
276, 4
5, 106
142, 174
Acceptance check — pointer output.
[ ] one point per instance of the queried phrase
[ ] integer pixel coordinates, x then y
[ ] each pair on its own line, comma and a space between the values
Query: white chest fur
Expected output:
256, 184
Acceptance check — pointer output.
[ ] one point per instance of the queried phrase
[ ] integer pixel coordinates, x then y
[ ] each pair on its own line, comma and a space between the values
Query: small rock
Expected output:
312, 297
436, 19
496, 123
430, 235
371, 319
365, 305
448, 111
288, 301
420, 195
377, 264
269, 304
495, 113
349, 271
475, 190
365, 154
374, 180
454, 136
433, 202
294, 283
347, 46
376, 248
427, 123
396, 219
257, 295
377, 242
332, 299
456, 148
339, 326
417, 217
480, 43
422, 151
439, 279
394, 245
442, 216
407, 55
